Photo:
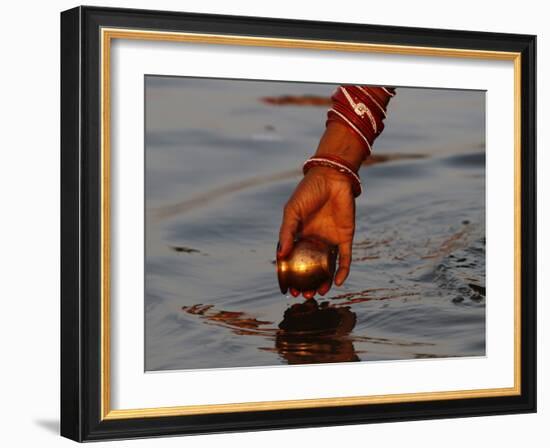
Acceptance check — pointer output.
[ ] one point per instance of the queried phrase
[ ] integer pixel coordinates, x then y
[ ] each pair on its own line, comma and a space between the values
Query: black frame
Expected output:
80, 223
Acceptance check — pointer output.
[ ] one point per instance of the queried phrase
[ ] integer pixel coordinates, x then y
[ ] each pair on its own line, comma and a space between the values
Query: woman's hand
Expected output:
323, 204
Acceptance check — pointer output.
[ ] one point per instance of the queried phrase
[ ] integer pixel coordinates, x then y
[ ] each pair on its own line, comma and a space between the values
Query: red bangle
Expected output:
339, 165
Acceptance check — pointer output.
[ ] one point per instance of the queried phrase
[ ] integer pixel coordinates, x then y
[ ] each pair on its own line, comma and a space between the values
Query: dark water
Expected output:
220, 164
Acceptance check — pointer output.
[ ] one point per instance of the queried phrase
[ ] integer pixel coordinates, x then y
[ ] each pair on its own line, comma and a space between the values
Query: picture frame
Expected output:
86, 238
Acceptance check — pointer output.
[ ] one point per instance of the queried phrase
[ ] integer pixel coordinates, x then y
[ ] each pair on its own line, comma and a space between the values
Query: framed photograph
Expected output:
276, 224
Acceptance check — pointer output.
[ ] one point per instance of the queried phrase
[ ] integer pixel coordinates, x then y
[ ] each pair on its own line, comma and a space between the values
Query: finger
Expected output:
288, 230
344, 263
324, 288
294, 292
309, 294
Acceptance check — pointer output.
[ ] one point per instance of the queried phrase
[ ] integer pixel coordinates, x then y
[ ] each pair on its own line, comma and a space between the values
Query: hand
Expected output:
323, 205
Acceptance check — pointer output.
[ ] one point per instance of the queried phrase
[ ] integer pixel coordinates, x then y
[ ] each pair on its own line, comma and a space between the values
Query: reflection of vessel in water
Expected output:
309, 332
313, 333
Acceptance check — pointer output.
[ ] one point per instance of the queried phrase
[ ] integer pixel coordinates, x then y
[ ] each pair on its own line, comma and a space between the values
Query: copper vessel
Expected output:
310, 264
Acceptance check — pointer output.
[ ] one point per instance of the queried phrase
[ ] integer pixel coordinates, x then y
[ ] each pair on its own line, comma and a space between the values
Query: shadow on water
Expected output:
309, 332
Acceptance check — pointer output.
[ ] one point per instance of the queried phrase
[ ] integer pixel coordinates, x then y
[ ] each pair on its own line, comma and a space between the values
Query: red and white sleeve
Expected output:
362, 109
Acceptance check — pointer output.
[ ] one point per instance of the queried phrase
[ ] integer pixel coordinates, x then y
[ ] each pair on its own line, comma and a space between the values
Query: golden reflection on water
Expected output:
309, 332
312, 332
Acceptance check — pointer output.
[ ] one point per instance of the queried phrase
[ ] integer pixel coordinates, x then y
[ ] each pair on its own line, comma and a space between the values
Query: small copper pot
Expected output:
310, 264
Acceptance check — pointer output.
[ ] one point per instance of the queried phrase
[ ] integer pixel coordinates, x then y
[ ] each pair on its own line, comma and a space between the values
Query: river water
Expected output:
221, 161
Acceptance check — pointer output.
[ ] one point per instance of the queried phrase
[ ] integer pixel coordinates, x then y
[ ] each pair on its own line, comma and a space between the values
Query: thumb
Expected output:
287, 233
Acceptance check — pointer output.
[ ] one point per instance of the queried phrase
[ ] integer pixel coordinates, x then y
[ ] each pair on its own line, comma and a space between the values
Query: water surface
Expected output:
220, 165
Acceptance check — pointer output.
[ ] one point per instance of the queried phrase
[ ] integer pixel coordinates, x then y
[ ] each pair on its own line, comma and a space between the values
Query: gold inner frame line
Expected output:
107, 35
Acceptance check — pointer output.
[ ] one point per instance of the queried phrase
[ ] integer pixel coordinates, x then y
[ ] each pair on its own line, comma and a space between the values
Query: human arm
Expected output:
323, 203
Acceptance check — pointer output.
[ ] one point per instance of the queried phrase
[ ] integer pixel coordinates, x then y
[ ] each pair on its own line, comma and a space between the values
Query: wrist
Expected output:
337, 169
332, 180
330, 174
